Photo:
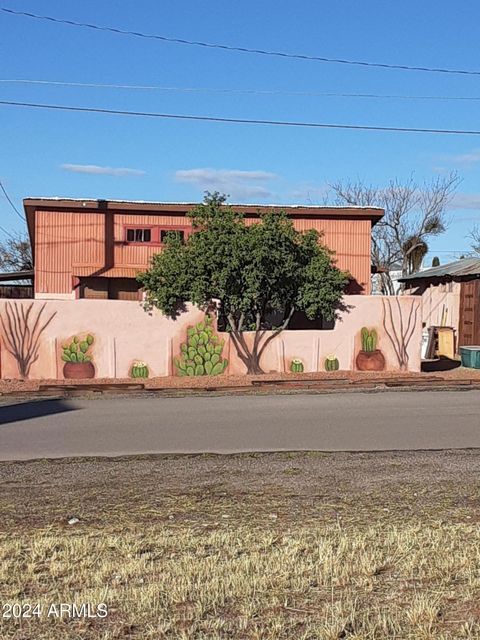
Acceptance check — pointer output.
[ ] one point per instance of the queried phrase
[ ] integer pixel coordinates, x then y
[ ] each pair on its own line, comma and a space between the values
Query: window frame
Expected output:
155, 233
134, 228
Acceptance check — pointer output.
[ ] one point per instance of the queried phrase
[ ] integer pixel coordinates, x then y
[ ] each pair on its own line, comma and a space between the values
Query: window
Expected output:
163, 233
139, 235
109, 288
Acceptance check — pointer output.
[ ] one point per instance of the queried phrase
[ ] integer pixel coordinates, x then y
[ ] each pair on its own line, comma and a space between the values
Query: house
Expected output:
450, 297
86, 321
395, 272
95, 248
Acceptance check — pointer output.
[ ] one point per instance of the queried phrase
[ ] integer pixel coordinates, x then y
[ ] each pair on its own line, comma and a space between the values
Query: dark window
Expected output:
94, 288
109, 288
164, 232
139, 235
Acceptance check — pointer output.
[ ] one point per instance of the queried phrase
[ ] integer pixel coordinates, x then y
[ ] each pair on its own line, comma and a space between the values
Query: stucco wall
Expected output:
443, 299
122, 332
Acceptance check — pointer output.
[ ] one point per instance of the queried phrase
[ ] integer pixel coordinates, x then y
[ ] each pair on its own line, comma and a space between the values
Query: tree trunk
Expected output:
251, 356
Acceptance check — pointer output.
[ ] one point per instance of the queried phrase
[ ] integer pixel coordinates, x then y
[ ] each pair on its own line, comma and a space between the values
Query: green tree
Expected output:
251, 272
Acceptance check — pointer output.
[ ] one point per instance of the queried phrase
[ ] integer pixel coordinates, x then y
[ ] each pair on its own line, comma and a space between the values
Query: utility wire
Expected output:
279, 92
10, 202
281, 123
226, 47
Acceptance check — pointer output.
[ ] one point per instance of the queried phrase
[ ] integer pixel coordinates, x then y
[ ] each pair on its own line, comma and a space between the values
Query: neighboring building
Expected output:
17, 284
395, 273
450, 297
95, 248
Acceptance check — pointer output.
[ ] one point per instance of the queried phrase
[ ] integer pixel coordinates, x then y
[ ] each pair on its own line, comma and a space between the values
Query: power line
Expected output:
279, 92
282, 123
10, 201
225, 47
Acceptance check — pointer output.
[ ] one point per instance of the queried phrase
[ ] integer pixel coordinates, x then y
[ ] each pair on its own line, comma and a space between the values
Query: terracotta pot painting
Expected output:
369, 358
78, 370
78, 359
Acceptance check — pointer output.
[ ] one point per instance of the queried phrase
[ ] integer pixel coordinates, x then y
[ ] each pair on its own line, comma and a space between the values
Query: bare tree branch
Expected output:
413, 214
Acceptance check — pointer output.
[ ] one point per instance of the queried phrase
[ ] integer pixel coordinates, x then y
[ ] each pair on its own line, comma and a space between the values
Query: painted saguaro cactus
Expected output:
369, 358
201, 354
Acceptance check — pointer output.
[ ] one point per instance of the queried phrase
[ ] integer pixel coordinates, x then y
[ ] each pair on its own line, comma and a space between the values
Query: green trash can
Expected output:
470, 357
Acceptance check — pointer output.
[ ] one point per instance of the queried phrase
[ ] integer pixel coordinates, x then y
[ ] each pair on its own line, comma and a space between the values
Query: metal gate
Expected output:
469, 326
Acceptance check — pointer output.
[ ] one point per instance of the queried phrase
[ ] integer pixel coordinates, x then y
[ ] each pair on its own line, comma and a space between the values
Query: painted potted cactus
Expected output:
139, 370
78, 360
370, 358
201, 354
296, 366
331, 363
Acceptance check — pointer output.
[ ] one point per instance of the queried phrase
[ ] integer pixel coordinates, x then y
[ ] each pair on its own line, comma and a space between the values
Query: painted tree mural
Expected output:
398, 329
23, 326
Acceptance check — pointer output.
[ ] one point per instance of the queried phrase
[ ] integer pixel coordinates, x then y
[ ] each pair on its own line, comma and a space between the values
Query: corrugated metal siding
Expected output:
73, 244
350, 239
136, 255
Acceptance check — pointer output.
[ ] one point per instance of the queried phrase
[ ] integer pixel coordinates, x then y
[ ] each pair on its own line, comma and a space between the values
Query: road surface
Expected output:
337, 422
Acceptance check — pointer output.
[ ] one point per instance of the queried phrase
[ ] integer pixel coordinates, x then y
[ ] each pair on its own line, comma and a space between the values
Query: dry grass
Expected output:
279, 546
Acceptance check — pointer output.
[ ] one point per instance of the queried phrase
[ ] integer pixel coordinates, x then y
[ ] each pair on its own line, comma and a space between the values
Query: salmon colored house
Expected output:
95, 248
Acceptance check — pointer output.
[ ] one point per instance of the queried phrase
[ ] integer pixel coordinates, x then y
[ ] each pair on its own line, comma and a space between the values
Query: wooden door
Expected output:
469, 326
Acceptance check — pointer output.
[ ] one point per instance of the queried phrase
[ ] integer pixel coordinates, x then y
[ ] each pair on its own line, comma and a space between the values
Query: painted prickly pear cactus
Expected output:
201, 354
369, 340
296, 366
78, 358
139, 370
331, 363
78, 350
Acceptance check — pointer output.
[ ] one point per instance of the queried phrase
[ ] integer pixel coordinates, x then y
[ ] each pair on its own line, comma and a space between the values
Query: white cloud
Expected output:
466, 201
234, 182
465, 160
98, 170
310, 193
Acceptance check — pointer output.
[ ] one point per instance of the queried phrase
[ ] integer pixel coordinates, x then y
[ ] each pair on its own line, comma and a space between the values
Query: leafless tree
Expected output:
413, 213
15, 253
474, 236
23, 326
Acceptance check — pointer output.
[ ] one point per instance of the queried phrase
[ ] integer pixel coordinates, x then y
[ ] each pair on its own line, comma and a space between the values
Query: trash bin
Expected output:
470, 357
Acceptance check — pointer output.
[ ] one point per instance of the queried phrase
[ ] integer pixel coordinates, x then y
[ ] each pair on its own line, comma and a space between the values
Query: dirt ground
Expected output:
276, 546
243, 381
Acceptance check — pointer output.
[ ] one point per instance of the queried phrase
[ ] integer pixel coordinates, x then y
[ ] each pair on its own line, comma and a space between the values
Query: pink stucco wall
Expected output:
123, 332
442, 300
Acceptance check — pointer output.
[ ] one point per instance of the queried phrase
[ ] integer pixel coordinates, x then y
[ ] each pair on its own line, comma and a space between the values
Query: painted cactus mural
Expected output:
296, 366
369, 358
23, 326
139, 370
78, 359
331, 363
201, 354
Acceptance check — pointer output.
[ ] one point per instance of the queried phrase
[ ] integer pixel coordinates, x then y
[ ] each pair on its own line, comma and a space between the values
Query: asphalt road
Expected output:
337, 422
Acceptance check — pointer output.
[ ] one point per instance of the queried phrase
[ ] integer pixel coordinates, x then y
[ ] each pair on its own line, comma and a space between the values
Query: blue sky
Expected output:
82, 155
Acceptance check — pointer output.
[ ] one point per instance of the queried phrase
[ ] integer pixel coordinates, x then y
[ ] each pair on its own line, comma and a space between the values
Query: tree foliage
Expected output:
252, 272
413, 213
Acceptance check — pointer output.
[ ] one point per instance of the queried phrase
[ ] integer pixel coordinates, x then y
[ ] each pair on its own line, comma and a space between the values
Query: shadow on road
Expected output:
35, 409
